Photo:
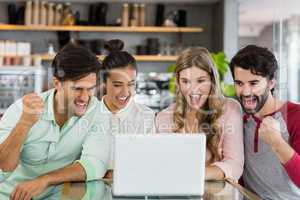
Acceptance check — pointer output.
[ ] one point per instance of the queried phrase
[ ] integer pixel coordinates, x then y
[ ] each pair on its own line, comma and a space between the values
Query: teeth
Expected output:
250, 101
122, 98
80, 104
195, 96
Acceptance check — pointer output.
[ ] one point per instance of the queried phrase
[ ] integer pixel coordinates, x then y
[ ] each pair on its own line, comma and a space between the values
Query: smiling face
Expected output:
74, 96
195, 85
252, 90
120, 87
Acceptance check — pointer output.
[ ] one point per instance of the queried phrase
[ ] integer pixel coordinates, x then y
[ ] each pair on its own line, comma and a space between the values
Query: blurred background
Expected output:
154, 31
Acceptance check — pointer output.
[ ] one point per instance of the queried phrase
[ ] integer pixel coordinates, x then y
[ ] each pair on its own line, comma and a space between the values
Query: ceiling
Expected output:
254, 15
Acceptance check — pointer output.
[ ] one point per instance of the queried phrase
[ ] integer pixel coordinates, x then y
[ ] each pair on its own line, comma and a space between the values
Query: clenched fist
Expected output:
33, 107
269, 131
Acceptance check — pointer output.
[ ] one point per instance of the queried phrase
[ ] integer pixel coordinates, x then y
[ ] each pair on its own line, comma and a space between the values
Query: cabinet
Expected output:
17, 81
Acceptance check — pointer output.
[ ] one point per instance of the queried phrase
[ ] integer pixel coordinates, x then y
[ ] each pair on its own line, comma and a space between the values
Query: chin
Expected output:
250, 111
195, 107
79, 113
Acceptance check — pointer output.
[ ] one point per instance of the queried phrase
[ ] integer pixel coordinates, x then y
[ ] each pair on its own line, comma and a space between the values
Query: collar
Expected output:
121, 114
259, 120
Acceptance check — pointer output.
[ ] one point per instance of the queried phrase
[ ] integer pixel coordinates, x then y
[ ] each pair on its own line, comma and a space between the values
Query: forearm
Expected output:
290, 159
283, 151
214, 173
10, 149
72, 173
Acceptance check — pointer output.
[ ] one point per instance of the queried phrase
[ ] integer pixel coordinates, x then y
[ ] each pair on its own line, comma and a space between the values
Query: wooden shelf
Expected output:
145, 29
140, 58
20, 70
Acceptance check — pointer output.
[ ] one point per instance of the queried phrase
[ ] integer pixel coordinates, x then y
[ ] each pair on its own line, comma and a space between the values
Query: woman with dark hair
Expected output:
200, 108
118, 76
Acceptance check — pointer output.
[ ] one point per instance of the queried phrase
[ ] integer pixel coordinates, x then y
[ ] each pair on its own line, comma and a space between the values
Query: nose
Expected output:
196, 87
126, 91
246, 90
84, 95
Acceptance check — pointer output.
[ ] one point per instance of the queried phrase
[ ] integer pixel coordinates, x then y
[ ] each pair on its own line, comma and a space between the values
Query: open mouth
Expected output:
249, 102
123, 99
195, 99
80, 106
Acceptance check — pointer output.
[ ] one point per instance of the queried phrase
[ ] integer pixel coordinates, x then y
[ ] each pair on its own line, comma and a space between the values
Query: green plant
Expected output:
222, 66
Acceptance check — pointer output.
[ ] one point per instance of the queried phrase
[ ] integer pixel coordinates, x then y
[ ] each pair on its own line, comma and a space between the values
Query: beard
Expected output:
259, 100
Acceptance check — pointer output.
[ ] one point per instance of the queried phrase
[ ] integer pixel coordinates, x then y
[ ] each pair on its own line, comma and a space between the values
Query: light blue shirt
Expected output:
49, 147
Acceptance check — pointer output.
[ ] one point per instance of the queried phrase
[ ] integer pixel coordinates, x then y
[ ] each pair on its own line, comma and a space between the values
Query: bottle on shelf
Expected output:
1, 52
28, 13
43, 19
27, 54
135, 15
50, 20
142, 15
51, 50
58, 14
36, 12
125, 15
68, 16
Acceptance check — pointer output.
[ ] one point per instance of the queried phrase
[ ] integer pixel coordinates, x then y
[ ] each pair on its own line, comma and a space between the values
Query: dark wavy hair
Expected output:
259, 60
74, 62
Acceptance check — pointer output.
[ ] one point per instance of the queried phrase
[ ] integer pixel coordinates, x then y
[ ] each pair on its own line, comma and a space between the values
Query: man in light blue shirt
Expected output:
56, 136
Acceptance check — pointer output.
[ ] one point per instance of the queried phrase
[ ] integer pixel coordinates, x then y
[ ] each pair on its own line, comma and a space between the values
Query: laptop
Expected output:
159, 164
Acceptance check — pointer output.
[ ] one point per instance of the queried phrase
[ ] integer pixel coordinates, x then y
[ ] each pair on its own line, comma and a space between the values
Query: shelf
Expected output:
140, 58
145, 29
20, 70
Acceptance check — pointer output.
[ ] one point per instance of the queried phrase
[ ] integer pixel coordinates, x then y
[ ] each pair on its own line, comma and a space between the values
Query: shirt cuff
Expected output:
228, 170
292, 163
94, 170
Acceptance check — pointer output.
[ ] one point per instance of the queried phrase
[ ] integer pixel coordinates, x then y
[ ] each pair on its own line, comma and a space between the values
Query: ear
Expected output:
57, 83
272, 84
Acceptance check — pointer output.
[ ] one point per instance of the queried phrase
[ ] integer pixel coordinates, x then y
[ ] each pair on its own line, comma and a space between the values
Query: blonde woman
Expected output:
200, 108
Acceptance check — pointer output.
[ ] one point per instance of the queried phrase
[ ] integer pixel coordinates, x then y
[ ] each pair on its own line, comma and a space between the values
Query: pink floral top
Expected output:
231, 146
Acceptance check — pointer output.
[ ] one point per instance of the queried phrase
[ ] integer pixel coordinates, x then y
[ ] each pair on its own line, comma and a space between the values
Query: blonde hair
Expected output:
212, 110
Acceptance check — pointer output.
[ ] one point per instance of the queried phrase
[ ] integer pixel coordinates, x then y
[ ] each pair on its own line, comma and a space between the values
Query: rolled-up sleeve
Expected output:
232, 162
10, 119
7, 124
95, 154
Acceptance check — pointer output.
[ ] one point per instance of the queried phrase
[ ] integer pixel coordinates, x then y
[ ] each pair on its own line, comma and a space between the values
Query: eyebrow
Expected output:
120, 82
251, 81
80, 87
200, 77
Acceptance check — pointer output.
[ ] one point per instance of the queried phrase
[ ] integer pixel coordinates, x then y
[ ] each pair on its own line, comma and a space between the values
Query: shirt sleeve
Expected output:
7, 124
95, 153
232, 162
163, 121
10, 119
292, 167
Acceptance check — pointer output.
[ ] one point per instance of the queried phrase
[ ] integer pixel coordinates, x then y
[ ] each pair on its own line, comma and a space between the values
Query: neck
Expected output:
109, 105
191, 121
272, 105
191, 113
